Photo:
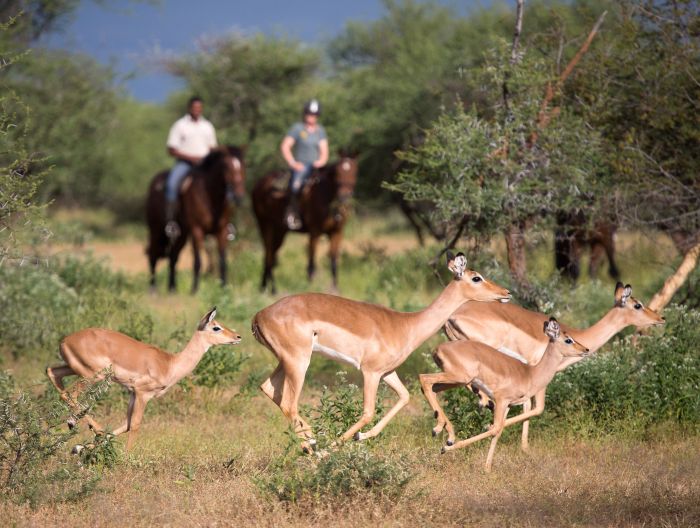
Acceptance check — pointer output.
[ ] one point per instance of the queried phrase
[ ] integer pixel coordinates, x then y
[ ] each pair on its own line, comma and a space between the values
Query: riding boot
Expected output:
292, 214
172, 229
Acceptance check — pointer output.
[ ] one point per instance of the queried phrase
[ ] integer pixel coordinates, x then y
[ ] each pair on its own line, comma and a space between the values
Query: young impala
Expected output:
506, 380
372, 338
516, 332
146, 371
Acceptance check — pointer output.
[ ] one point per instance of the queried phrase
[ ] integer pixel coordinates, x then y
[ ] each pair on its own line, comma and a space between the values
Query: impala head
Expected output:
472, 284
633, 310
216, 333
567, 346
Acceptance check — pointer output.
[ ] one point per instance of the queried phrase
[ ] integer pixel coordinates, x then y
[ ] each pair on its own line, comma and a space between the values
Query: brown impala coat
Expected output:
369, 337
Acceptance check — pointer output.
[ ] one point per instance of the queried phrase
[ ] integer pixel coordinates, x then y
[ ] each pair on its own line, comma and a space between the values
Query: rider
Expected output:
305, 147
190, 139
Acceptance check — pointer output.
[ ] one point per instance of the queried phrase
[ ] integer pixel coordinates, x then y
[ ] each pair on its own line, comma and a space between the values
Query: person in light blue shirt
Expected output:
304, 148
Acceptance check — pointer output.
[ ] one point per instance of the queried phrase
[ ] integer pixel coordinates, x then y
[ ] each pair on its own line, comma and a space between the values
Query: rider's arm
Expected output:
286, 149
178, 154
322, 153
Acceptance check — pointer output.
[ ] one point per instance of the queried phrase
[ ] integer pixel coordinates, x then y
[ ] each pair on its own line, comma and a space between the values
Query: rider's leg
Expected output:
172, 188
296, 184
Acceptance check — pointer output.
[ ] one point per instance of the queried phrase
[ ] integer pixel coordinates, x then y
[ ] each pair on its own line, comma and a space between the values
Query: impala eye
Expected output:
638, 306
569, 341
476, 279
217, 329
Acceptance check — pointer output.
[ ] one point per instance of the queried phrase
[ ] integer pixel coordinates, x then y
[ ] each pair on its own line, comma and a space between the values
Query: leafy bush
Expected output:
347, 470
34, 464
218, 367
39, 305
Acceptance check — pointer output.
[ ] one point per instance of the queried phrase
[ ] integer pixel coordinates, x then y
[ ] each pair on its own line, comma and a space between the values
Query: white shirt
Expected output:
193, 138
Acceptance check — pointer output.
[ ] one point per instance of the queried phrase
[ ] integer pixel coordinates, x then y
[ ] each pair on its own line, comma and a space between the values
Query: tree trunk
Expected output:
517, 261
675, 281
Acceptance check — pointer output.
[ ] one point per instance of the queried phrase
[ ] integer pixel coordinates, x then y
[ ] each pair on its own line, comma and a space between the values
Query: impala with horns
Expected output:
506, 380
516, 332
371, 338
145, 370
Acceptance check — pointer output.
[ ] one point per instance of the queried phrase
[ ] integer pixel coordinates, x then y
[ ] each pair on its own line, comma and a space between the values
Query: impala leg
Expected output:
370, 384
526, 426
539, 409
394, 382
499, 417
431, 384
134, 420
56, 375
129, 411
285, 389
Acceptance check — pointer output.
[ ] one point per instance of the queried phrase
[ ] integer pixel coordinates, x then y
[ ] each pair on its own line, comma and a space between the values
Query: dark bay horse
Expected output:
573, 233
323, 207
204, 210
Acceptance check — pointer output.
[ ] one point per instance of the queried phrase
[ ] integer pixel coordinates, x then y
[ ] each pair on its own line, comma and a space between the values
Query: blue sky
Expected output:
126, 34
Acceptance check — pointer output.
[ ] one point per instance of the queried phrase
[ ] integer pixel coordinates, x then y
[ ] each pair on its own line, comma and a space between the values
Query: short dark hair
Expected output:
194, 99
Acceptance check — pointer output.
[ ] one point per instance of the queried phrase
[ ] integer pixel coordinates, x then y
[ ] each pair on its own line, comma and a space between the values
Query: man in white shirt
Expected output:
190, 139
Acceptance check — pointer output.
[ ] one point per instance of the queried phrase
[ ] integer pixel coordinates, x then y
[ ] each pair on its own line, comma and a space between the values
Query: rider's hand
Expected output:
297, 166
317, 164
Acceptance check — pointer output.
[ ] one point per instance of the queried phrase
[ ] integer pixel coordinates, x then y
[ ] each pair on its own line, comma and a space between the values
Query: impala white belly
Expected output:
512, 353
331, 353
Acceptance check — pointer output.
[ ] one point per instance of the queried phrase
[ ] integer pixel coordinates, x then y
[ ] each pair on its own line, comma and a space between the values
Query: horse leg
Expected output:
313, 242
197, 241
221, 241
276, 243
152, 261
336, 237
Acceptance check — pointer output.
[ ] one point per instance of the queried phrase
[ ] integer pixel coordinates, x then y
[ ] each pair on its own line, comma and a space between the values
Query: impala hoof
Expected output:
443, 450
77, 449
357, 436
435, 433
450, 442
72, 422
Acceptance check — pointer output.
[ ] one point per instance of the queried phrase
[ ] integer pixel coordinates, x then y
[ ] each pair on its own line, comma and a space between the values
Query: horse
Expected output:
573, 232
323, 207
204, 210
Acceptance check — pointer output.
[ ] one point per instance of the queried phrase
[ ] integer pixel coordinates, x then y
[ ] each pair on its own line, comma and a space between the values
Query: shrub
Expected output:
34, 464
218, 367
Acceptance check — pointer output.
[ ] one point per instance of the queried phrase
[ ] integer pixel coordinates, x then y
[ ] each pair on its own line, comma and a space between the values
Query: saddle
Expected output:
281, 182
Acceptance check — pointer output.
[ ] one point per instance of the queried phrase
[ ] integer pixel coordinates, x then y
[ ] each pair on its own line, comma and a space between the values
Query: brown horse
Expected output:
204, 210
323, 207
573, 232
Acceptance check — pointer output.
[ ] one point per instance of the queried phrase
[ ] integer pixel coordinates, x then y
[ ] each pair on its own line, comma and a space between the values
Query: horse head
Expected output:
345, 176
227, 163
236, 176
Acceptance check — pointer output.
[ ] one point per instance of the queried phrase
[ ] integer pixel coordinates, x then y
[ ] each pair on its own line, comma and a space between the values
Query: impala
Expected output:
146, 371
371, 338
516, 332
506, 380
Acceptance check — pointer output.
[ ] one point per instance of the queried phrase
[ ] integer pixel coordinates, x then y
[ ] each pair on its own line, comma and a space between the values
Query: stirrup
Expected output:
172, 230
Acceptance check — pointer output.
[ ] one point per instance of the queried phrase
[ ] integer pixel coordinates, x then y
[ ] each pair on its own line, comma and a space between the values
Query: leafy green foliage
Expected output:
33, 434
344, 471
219, 367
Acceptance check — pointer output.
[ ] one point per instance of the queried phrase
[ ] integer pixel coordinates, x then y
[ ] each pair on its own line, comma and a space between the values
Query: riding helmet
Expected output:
312, 107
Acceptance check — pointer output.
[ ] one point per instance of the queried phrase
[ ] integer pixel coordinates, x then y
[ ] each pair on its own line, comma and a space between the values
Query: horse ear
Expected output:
208, 318
551, 329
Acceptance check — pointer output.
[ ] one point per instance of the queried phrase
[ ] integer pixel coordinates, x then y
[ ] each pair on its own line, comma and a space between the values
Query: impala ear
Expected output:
208, 318
457, 265
552, 329
622, 294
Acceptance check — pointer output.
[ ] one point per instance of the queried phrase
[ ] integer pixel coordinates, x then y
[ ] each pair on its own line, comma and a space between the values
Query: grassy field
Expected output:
218, 457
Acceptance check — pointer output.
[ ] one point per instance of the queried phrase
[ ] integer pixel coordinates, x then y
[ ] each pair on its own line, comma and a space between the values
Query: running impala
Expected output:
146, 371
517, 332
506, 380
371, 338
